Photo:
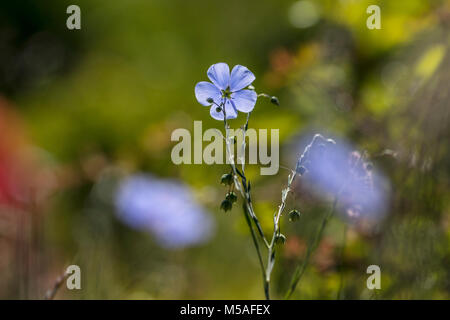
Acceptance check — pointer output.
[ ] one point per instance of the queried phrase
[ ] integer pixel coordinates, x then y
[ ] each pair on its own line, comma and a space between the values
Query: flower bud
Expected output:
280, 239
226, 205
227, 179
294, 215
275, 101
231, 196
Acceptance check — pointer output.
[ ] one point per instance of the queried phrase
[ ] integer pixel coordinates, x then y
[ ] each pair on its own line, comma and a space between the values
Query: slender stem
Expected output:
276, 227
284, 195
241, 186
255, 241
244, 132
299, 271
51, 293
244, 188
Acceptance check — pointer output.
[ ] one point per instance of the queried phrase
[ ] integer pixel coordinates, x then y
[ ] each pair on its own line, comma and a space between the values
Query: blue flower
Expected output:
227, 91
165, 208
336, 169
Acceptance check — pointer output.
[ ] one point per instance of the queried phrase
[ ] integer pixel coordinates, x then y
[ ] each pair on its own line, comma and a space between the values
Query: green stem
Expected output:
258, 251
276, 228
243, 189
241, 186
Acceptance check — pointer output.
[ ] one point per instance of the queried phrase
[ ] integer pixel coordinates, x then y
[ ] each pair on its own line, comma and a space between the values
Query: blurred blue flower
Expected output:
336, 169
227, 91
165, 208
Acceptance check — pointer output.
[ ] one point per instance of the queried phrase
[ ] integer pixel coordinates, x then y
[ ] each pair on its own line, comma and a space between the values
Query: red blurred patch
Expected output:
324, 258
16, 168
294, 247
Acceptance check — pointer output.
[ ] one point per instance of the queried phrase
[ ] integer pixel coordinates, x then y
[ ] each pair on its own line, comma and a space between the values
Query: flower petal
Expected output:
240, 78
244, 100
229, 109
205, 90
219, 74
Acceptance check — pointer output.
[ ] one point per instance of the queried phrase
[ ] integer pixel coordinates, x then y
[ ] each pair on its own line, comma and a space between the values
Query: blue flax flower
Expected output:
227, 91
336, 169
165, 208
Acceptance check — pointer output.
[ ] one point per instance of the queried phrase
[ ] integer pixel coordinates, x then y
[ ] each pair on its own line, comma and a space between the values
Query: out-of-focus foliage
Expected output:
79, 110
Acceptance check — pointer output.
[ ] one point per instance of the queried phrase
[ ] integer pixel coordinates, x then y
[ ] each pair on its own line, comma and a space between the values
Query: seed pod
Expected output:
275, 101
226, 205
294, 215
301, 170
227, 179
231, 196
280, 239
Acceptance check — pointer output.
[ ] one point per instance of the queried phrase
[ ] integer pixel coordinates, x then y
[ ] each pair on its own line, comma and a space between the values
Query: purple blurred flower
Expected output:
227, 90
334, 168
165, 208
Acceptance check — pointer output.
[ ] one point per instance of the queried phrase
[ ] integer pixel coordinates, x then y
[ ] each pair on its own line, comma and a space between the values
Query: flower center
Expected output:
226, 93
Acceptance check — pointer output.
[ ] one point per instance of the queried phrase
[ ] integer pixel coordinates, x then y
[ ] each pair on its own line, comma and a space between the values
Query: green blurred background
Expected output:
78, 108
